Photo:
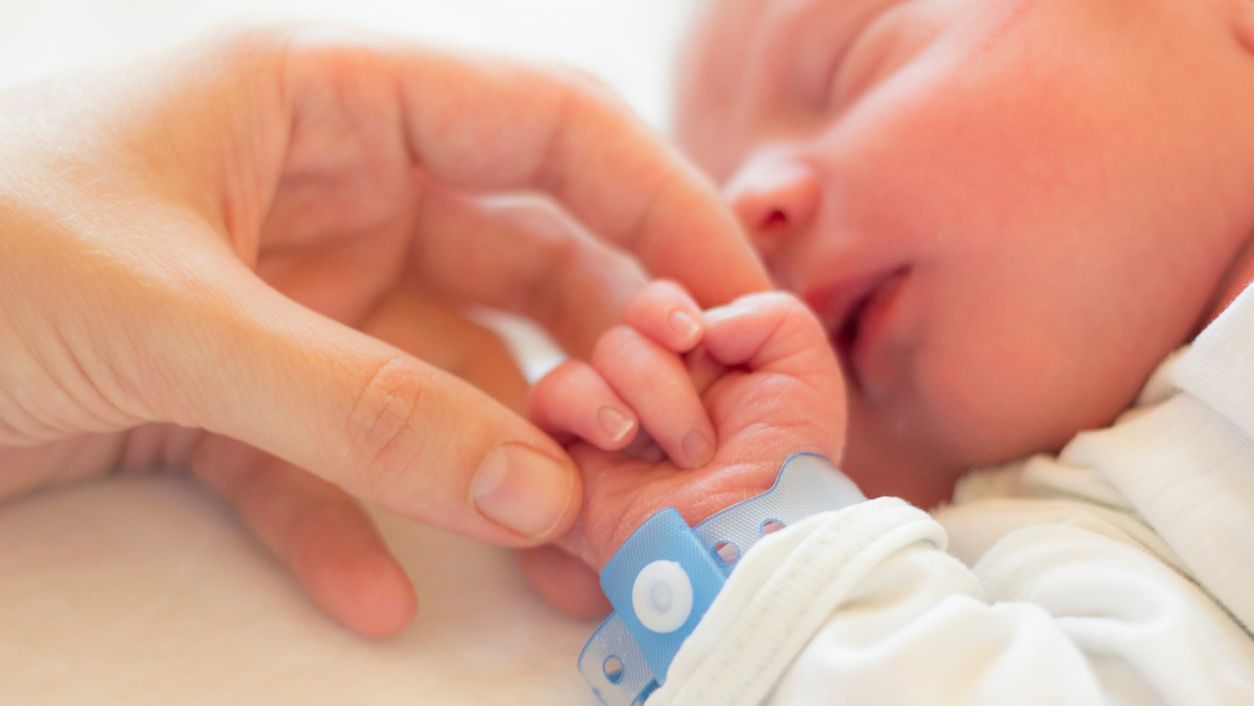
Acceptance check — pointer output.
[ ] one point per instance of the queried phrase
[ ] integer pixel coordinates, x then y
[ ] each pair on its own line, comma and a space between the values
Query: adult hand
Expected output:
213, 260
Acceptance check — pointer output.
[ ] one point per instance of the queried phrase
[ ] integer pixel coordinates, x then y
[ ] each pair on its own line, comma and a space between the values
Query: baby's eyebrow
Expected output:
799, 42
752, 41
773, 48
757, 27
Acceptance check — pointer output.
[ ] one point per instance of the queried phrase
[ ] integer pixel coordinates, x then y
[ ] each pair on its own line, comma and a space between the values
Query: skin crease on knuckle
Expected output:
625, 217
1007, 245
383, 427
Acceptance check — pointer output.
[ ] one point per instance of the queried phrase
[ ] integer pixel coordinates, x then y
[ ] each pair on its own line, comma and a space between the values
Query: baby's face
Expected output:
1006, 212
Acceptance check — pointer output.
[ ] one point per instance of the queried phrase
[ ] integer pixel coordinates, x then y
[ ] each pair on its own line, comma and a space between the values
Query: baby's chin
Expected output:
918, 443
919, 454
886, 471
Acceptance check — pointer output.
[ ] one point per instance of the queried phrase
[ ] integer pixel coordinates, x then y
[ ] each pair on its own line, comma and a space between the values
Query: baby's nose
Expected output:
775, 199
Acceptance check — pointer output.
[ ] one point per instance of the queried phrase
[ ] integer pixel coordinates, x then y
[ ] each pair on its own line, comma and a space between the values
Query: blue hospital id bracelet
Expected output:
662, 580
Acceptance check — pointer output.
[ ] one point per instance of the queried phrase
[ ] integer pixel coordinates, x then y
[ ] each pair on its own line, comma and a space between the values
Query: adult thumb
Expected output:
385, 426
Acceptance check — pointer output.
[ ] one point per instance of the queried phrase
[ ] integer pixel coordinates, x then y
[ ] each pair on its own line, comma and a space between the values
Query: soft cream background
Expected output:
146, 591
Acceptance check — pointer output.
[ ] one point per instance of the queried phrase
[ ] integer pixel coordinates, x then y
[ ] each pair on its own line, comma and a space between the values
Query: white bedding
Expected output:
147, 591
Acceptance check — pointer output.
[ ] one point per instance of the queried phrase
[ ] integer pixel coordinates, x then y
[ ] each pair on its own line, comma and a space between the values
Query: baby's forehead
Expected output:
747, 56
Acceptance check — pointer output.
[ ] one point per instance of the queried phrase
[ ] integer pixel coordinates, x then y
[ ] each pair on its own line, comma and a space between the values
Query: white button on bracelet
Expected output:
662, 596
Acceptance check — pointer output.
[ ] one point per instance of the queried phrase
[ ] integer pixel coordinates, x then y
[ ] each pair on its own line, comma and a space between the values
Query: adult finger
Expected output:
239, 359
430, 330
324, 538
486, 124
523, 254
565, 581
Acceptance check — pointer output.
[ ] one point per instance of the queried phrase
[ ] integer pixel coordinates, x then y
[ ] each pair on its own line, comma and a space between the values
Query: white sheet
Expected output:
147, 591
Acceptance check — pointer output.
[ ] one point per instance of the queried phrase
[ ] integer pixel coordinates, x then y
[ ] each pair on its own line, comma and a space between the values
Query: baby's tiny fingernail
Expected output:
697, 447
683, 324
615, 423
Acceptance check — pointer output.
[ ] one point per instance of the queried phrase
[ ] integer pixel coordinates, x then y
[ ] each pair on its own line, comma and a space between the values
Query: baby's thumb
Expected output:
383, 425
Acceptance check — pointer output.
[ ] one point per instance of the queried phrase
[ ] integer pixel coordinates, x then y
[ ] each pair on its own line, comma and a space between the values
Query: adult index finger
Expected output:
486, 123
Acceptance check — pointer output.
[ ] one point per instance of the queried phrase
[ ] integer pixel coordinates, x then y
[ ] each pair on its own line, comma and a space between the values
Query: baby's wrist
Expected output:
666, 574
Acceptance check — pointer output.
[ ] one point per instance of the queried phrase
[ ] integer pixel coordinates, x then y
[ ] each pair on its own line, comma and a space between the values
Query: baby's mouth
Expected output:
853, 311
846, 334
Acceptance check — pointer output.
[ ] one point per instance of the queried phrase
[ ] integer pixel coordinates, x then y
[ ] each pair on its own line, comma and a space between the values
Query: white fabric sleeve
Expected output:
864, 606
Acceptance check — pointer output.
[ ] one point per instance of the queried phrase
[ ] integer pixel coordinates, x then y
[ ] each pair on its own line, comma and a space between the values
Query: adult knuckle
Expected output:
558, 257
583, 84
245, 48
576, 98
585, 97
386, 428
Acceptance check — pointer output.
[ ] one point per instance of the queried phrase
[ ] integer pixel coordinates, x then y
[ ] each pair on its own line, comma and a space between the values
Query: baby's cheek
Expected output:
1001, 395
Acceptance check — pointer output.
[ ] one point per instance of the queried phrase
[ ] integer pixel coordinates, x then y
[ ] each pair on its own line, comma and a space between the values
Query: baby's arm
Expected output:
1063, 602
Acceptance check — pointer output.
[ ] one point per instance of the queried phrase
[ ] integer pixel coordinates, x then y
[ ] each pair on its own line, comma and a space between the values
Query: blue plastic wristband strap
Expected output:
662, 580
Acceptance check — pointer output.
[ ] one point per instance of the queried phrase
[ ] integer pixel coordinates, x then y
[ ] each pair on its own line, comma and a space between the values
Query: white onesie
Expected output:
1119, 572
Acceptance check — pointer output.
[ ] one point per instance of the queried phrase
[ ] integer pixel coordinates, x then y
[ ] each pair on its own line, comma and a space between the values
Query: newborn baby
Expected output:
1005, 215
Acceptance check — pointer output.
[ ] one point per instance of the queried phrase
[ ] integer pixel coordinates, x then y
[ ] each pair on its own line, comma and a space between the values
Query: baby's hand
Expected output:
723, 397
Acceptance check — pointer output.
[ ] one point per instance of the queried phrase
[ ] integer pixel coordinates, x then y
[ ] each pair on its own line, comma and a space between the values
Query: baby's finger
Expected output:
655, 383
770, 330
667, 314
322, 535
575, 399
703, 370
563, 580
